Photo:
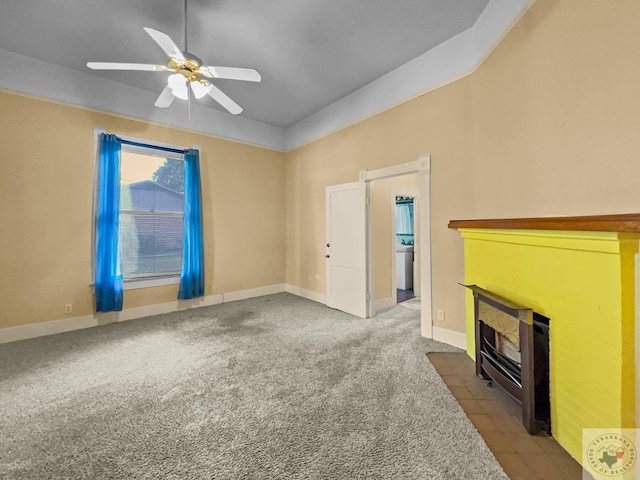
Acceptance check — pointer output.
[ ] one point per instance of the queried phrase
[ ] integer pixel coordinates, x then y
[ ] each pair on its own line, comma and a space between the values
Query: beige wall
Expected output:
548, 125
46, 191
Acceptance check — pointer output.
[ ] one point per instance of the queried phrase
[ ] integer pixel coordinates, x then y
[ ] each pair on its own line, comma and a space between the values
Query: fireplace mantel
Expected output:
624, 223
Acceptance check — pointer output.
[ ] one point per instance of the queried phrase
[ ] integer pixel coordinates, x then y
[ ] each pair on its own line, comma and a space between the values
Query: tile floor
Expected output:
404, 295
497, 418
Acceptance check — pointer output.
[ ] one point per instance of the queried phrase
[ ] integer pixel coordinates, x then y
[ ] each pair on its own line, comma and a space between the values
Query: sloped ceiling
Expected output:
324, 64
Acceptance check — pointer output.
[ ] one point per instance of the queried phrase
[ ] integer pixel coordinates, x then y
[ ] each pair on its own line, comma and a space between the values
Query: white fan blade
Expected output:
246, 74
125, 66
222, 98
165, 43
165, 99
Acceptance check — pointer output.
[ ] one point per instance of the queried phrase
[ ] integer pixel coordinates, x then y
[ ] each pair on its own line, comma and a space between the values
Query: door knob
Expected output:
327, 256
328, 245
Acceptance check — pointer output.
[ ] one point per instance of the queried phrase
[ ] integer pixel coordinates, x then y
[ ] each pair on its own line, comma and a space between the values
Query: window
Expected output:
151, 213
143, 209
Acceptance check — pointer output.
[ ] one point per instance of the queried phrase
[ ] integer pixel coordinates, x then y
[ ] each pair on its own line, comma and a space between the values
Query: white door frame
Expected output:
422, 166
415, 194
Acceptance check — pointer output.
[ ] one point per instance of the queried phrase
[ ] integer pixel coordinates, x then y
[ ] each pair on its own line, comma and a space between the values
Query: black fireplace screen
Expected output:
512, 350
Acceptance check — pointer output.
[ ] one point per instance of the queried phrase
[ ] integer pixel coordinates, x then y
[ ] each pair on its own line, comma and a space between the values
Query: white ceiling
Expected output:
311, 53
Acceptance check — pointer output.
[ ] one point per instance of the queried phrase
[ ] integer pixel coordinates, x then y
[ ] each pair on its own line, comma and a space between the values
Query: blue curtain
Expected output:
108, 285
192, 275
404, 218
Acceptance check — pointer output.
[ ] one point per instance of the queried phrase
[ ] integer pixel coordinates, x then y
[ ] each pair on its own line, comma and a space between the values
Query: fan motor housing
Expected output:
190, 68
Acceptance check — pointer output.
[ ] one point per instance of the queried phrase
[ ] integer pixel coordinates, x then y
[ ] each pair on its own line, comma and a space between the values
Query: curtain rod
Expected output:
154, 147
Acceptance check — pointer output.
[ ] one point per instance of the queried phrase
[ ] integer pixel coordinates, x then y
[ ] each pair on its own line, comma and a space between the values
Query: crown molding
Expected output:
457, 57
449, 61
53, 82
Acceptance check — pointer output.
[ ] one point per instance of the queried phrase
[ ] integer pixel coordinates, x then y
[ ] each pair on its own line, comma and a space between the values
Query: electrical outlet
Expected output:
213, 289
441, 315
68, 308
317, 276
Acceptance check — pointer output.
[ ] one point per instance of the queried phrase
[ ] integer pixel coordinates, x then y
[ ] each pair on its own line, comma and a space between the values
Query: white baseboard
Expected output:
384, 303
253, 292
53, 327
308, 294
450, 337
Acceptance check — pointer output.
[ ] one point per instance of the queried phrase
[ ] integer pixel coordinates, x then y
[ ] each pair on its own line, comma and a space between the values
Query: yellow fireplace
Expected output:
580, 273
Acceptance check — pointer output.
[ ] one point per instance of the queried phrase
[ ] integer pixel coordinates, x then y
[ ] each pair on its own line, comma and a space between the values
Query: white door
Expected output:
345, 254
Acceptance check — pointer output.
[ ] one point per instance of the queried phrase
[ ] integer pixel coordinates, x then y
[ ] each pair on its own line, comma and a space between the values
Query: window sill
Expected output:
132, 284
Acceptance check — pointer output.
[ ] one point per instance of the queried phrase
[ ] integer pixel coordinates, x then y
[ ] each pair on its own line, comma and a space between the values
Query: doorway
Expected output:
404, 243
395, 245
363, 294
420, 191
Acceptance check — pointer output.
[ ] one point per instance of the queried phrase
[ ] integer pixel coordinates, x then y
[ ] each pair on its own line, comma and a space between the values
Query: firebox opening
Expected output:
512, 350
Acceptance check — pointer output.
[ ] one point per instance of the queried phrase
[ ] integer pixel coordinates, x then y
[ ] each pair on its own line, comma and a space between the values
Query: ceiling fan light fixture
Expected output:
200, 88
178, 85
176, 80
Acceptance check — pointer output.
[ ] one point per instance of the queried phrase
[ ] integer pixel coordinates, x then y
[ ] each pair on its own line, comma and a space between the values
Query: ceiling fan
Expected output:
188, 71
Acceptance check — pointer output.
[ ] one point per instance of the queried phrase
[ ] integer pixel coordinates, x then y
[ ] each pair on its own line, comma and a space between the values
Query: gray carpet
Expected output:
273, 387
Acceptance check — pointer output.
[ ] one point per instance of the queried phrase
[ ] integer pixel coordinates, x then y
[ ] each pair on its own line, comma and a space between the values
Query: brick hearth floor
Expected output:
497, 417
